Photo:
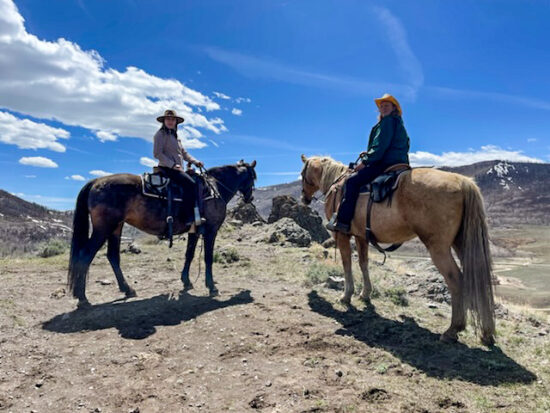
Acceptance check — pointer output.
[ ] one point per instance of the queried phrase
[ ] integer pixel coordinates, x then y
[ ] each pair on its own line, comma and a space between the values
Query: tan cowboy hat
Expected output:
389, 98
170, 114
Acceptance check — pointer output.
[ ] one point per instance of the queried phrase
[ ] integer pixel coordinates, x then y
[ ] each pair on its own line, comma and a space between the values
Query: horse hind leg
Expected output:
363, 253
445, 263
113, 255
90, 250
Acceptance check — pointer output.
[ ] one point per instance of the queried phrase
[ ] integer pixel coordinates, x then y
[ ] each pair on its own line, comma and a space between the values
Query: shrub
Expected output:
397, 295
319, 273
52, 248
226, 256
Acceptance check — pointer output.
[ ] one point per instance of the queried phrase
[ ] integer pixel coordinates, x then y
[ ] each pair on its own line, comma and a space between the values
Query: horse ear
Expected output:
304, 159
241, 162
253, 164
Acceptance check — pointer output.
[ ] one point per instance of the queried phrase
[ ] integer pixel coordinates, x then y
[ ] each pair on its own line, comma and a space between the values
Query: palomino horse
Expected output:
115, 199
445, 210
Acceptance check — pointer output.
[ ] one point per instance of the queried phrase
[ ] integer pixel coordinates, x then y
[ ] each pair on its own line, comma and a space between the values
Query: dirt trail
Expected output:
267, 343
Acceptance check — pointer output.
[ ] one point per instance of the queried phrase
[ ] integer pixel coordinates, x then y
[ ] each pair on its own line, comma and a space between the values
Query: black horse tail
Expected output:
81, 228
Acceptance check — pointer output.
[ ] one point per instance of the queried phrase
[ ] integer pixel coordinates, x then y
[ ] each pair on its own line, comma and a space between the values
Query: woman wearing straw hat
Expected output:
171, 155
388, 145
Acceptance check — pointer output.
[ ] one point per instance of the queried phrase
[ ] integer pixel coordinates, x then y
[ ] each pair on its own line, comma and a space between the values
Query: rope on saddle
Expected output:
372, 238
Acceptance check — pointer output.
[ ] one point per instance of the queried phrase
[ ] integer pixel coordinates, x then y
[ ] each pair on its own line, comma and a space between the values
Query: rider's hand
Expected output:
359, 166
199, 164
362, 154
178, 167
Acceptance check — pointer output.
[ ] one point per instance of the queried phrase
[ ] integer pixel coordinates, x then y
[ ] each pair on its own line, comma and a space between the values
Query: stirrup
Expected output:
198, 219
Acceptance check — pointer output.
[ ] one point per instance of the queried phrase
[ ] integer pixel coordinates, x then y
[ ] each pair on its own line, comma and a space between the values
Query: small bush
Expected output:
397, 295
52, 248
319, 273
226, 256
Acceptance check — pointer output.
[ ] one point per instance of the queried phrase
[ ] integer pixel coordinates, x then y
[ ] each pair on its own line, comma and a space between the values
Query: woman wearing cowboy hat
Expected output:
171, 155
388, 145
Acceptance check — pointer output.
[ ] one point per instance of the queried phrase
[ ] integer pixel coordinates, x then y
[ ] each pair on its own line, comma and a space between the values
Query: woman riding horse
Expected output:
388, 145
171, 154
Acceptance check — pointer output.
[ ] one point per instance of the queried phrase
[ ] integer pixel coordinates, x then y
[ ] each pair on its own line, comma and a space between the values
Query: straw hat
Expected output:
389, 98
170, 114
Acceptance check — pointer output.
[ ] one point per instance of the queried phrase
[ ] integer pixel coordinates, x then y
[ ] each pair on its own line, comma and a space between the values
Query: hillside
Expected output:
26, 225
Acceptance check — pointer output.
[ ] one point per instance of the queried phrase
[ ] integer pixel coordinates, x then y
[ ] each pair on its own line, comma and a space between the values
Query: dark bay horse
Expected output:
115, 199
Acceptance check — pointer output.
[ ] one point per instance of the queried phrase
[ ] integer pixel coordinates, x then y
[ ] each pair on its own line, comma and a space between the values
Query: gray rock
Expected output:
285, 206
134, 248
336, 283
329, 243
287, 229
246, 213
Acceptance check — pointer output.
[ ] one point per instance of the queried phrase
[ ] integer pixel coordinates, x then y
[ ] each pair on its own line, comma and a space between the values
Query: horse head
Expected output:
309, 177
248, 176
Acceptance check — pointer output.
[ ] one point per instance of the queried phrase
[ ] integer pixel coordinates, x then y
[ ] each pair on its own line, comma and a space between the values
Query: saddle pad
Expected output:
383, 185
155, 185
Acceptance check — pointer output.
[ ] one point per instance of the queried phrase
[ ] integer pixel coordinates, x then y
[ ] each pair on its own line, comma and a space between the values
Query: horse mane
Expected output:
332, 170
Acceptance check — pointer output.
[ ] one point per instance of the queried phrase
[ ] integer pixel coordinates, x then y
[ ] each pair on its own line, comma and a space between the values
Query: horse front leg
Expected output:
209, 240
189, 254
363, 252
343, 243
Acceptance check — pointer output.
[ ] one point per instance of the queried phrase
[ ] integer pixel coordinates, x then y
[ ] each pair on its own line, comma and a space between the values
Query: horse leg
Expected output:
90, 250
113, 255
445, 263
209, 240
363, 252
343, 243
189, 254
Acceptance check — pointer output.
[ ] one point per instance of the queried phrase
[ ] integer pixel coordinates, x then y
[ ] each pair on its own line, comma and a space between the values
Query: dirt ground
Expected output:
268, 343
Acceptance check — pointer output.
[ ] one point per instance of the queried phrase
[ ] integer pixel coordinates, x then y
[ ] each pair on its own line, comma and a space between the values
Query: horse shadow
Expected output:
421, 349
138, 319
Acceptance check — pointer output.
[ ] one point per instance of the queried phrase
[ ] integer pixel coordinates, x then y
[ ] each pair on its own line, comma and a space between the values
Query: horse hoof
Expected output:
131, 293
83, 305
365, 298
446, 338
187, 287
345, 300
489, 341
214, 292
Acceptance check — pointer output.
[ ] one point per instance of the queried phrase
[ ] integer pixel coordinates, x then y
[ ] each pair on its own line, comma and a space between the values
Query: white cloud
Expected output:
58, 80
99, 172
531, 140
214, 143
30, 176
27, 134
486, 153
38, 161
398, 39
145, 161
222, 95
76, 177
236, 112
241, 100
105, 136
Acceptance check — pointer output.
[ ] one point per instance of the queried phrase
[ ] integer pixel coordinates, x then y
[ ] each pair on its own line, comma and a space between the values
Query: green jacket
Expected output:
388, 142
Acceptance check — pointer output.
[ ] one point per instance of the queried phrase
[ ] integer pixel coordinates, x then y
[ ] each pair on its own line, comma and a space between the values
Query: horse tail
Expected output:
473, 245
81, 228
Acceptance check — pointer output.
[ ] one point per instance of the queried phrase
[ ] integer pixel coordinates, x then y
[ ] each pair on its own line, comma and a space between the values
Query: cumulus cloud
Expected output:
236, 112
145, 161
99, 172
76, 178
222, 95
486, 153
59, 80
27, 134
38, 161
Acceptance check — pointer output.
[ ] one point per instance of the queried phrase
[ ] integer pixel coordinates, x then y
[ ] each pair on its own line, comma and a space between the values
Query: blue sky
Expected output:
81, 83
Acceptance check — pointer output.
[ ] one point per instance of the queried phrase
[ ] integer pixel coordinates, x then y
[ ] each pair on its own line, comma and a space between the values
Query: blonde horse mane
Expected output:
332, 170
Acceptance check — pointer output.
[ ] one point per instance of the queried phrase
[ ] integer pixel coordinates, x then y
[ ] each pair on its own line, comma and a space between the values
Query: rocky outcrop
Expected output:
286, 230
285, 206
246, 213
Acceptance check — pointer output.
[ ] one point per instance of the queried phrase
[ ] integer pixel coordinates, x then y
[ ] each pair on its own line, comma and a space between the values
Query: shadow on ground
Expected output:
420, 348
138, 319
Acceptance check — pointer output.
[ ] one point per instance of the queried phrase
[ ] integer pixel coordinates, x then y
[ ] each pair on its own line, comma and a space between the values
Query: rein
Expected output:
218, 182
